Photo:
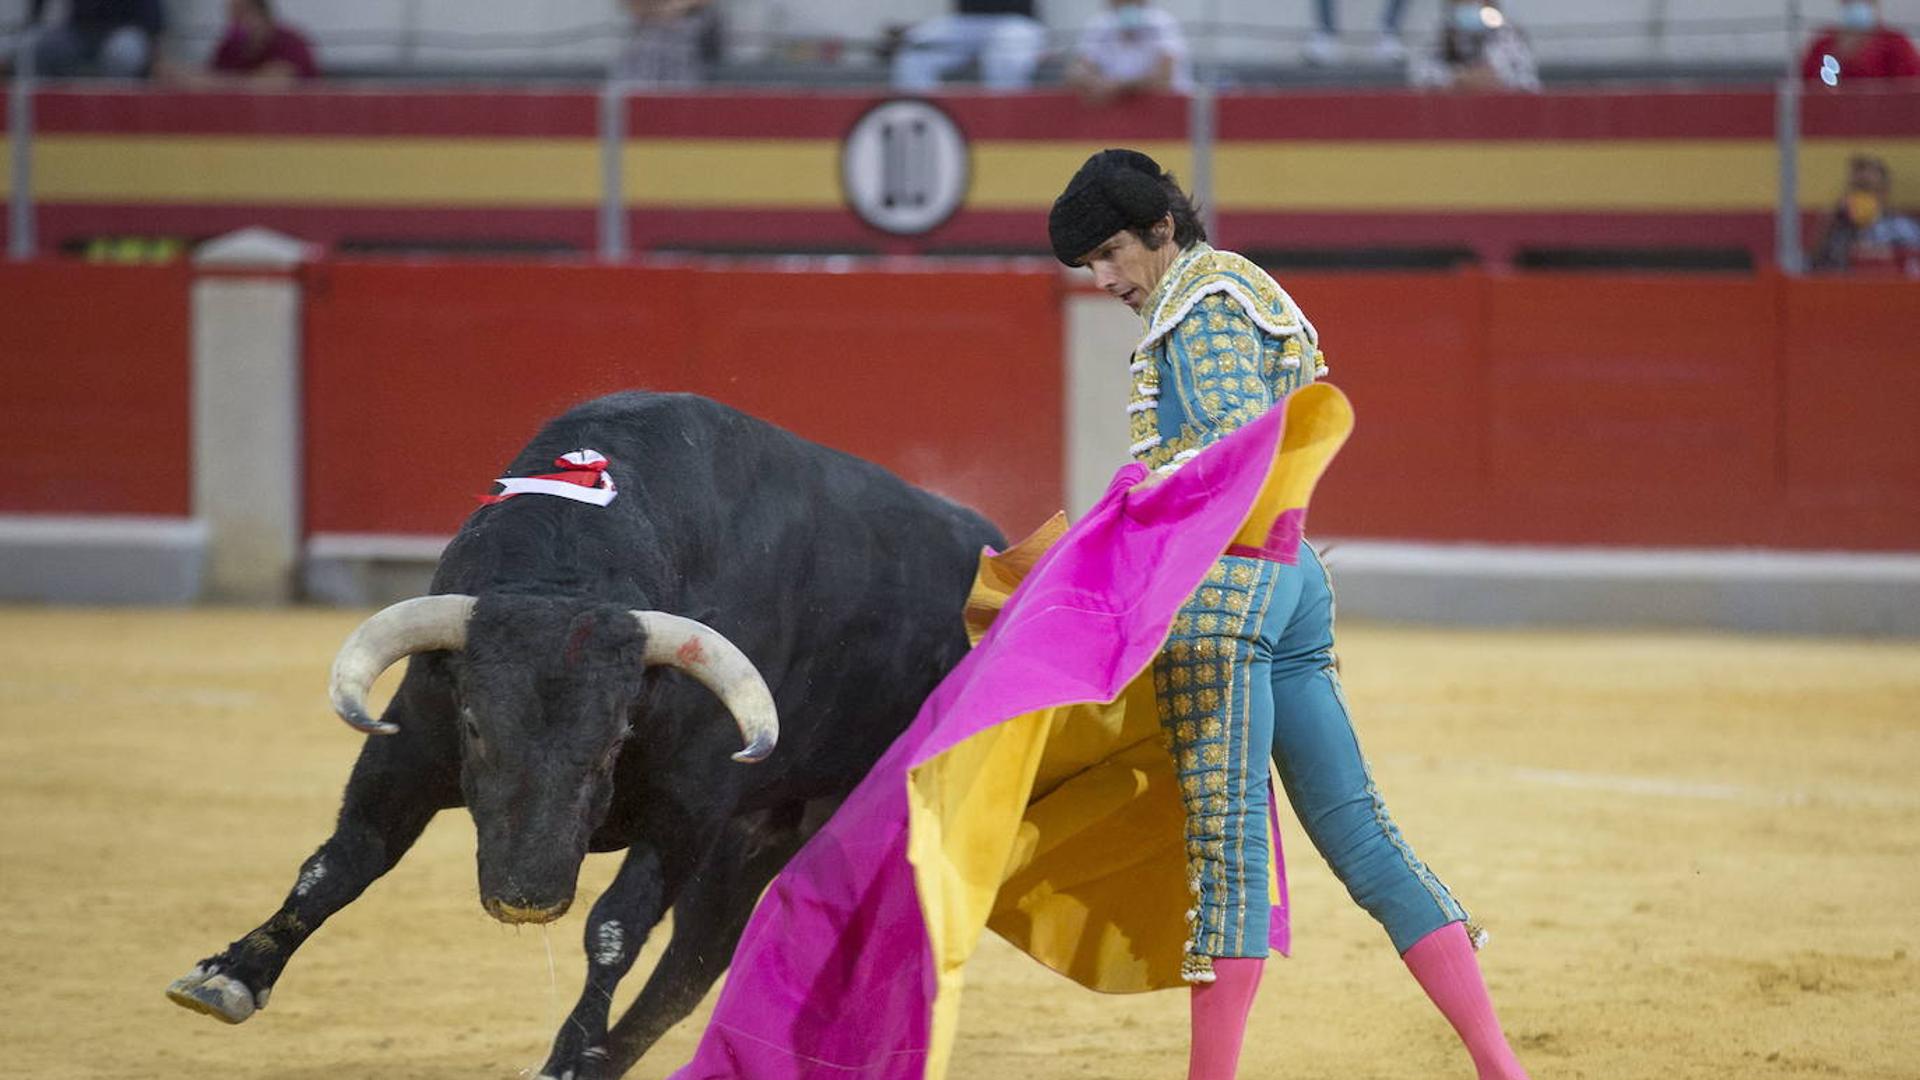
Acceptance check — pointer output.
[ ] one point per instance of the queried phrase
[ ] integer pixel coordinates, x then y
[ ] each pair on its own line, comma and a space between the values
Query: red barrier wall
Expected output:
424, 379
1850, 370
1614, 413
1406, 348
1566, 409
94, 365
1576, 409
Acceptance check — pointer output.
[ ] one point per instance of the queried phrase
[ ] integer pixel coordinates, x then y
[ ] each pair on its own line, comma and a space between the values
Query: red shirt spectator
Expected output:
1865, 47
256, 45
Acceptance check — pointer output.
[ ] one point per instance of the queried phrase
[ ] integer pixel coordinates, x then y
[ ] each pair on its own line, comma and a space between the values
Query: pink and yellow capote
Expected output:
1032, 794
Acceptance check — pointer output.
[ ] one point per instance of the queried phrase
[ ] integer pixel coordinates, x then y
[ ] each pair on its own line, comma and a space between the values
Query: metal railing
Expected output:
614, 243
20, 217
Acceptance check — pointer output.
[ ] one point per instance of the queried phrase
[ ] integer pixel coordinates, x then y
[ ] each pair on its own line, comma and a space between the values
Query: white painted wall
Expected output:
1100, 337
246, 414
451, 32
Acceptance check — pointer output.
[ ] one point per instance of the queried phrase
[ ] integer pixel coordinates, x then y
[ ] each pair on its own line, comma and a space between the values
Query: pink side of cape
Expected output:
834, 977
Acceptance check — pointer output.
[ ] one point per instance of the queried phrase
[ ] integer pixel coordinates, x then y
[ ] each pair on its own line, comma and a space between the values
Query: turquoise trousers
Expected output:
1248, 673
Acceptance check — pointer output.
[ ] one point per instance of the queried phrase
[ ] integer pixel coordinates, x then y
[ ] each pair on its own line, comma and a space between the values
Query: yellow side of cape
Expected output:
1062, 829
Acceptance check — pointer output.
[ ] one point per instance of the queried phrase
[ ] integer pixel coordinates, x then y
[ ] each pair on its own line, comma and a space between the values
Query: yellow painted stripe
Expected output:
1356, 176
1415, 176
1009, 175
1823, 169
315, 170
784, 174
1695, 175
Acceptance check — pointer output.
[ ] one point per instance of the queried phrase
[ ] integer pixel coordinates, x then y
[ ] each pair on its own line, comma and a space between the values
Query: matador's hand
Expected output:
1151, 480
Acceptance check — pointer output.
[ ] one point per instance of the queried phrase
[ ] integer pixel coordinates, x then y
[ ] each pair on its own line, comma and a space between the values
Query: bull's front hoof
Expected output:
222, 997
566, 1063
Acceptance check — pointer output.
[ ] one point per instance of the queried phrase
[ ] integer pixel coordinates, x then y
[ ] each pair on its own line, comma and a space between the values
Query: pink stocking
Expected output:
1220, 1011
1444, 964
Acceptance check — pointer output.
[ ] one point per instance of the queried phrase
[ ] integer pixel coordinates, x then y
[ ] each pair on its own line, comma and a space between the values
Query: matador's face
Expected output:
1128, 269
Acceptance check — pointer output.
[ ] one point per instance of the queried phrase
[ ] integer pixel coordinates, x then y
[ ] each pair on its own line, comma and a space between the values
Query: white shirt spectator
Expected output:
1126, 44
665, 42
1002, 36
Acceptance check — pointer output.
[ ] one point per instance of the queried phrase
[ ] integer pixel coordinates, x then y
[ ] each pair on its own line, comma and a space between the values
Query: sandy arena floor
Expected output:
1699, 857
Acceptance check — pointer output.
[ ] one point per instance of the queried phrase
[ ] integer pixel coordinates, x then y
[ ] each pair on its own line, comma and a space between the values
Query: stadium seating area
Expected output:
784, 42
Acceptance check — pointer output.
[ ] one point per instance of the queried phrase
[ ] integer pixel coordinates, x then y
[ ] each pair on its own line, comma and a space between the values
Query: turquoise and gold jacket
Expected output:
1224, 343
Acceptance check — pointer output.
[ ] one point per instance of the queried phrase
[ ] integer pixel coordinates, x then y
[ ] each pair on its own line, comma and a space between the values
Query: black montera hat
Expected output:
1114, 190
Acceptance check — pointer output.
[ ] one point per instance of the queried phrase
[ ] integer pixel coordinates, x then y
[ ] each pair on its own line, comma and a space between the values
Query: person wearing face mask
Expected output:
1479, 49
1864, 47
1864, 232
1132, 47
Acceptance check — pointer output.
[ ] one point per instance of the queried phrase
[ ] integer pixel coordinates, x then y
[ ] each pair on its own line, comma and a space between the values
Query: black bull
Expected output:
550, 693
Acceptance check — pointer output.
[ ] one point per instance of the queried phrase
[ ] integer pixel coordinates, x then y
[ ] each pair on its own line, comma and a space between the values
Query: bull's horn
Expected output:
707, 655
421, 624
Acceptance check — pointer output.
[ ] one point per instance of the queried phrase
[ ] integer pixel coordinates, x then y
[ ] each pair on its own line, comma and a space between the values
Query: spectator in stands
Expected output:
1479, 49
1864, 232
1324, 46
1002, 36
116, 38
1132, 47
669, 42
1864, 47
257, 49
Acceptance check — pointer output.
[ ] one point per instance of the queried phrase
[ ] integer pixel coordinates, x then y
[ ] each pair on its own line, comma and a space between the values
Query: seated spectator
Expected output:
1479, 49
258, 50
115, 38
1324, 46
1130, 48
1864, 47
669, 42
1864, 233
1002, 36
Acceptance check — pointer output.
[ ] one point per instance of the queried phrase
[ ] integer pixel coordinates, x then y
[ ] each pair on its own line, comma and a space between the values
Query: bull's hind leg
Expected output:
389, 800
707, 922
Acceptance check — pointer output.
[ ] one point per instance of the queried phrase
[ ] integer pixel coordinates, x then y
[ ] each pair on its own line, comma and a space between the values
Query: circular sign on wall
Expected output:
905, 166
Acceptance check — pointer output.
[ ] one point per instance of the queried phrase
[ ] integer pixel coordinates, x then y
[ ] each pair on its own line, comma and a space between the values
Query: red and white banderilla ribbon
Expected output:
583, 478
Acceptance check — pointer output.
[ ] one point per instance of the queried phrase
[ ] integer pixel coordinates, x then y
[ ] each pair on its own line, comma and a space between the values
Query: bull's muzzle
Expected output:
526, 913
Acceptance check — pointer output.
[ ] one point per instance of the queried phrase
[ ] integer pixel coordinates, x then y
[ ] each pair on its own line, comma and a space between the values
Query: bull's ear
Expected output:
421, 624
720, 666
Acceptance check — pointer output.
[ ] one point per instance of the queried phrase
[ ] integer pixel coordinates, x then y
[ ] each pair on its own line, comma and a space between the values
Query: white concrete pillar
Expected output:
246, 413
1101, 333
